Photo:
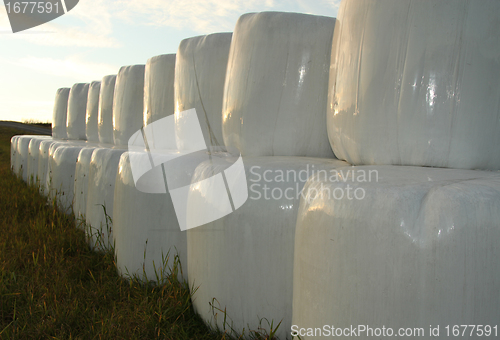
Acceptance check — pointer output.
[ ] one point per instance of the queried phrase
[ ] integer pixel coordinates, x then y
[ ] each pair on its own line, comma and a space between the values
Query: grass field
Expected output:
52, 286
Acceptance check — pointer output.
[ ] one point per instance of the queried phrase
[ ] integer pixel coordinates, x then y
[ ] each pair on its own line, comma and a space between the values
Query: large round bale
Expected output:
416, 83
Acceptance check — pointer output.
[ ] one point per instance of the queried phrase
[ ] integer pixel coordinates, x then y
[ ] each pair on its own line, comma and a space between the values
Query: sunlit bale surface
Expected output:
92, 114
159, 87
276, 85
416, 83
200, 73
420, 248
105, 115
77, 110
59, 115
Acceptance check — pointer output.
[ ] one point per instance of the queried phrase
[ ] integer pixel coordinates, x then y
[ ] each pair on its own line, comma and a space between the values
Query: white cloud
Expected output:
335, 4
199, 15
69, 68
56, 35
90, 23
205, 16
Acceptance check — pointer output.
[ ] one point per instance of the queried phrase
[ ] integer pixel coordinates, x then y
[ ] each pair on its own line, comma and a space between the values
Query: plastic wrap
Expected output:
100, 194
13, 155
77, 109
43, 163
252, 246
146, 233
60, 113
412, 247
128, 103
277, 85
199, 83
416, 83
105, 117
159, 88
22, 153
82, 170
61, 166
93, 111
33, 153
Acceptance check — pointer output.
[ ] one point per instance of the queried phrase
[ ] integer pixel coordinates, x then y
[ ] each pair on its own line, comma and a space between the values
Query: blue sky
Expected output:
97, 37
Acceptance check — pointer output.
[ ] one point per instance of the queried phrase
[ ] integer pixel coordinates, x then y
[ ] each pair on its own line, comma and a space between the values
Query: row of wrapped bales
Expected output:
309, 193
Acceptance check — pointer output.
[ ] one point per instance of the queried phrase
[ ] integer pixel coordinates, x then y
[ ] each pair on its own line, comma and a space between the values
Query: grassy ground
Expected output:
52, 286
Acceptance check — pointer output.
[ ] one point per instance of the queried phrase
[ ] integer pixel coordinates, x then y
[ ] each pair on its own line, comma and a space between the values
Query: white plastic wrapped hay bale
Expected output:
274, 105
59, 115
146, 232
43, 163
77, 110
252, 246
159, 88
105, 116
411, 247
91, 117
276, 85
33, 154
128, 103
21, 164
127, 119
82, 170
416, 83
200, 73
13, 154
52, 173
146, 226
62, 160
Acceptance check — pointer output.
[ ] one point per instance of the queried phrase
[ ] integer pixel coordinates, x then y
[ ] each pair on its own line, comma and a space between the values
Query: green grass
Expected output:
52, 286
